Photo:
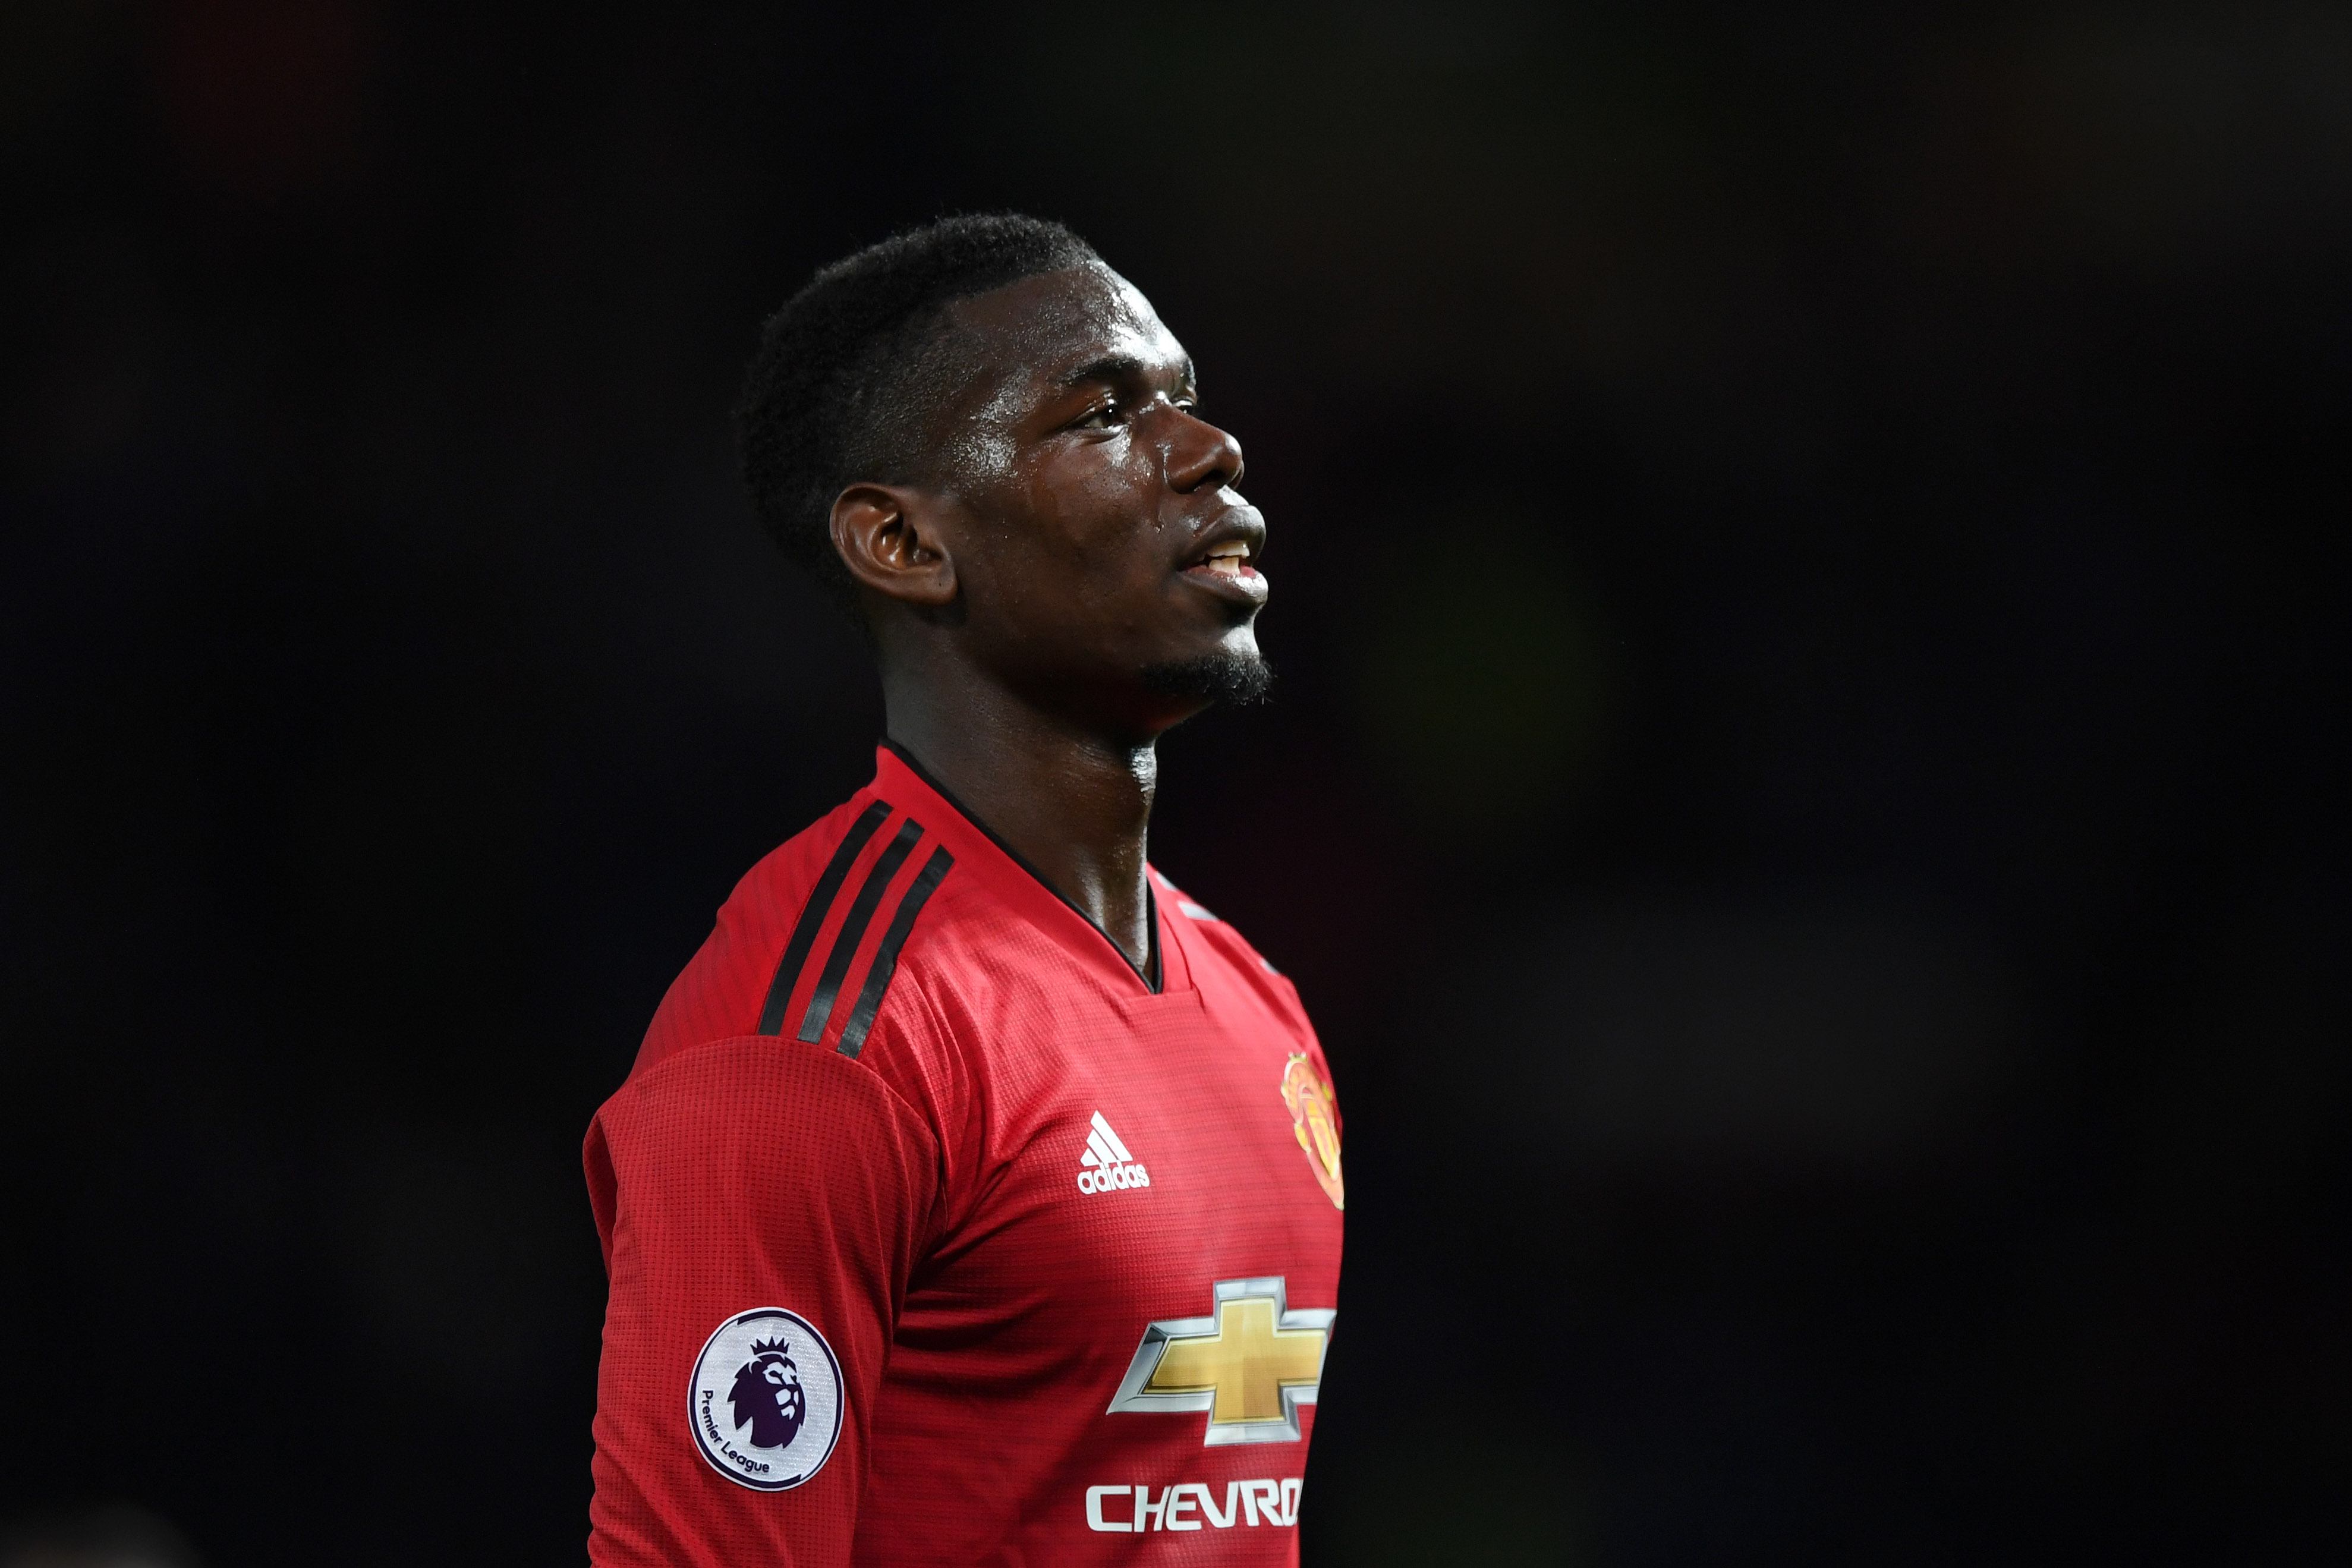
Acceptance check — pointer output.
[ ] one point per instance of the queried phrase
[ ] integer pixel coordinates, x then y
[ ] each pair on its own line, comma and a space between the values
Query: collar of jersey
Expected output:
904, 783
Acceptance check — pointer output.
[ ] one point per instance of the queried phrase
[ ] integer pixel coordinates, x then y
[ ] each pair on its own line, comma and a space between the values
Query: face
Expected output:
1101, 555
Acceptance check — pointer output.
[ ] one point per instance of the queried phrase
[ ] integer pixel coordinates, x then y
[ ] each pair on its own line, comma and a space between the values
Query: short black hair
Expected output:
846, 383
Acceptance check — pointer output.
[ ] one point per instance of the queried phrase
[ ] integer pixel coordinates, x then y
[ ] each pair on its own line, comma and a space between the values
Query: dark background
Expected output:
1806, 797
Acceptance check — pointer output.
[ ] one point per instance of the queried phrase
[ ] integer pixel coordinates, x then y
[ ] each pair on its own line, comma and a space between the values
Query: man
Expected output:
975, 1196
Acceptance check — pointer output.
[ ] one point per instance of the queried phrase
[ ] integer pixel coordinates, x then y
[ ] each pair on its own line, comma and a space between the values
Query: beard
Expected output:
1230, 675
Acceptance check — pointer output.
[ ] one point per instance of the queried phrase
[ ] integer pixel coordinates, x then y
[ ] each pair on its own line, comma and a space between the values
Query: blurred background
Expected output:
1806, 797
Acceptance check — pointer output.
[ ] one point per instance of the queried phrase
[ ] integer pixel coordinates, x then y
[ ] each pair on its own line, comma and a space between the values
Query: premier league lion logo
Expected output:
765, 1403
767, 1394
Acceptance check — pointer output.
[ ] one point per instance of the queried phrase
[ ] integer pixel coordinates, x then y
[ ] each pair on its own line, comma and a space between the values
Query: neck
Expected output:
1075, 805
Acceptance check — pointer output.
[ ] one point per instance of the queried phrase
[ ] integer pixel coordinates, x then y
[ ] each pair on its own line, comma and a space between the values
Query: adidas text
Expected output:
1107, 1167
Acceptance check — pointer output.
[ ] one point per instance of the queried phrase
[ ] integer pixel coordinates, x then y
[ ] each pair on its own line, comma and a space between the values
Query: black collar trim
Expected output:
1152, 976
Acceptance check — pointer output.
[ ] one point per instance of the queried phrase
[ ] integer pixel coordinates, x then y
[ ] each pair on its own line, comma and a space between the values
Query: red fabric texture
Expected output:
919, 1206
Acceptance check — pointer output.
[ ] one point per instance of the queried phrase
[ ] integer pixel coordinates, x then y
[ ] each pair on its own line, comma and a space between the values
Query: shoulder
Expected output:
1224, 943
723, 991
1196, 916
860, 928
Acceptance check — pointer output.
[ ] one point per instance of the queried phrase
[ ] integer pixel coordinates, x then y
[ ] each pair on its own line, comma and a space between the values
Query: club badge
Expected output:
1315, 1118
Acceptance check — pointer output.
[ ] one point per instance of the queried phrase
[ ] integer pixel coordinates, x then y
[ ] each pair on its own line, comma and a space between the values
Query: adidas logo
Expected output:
1107, 1167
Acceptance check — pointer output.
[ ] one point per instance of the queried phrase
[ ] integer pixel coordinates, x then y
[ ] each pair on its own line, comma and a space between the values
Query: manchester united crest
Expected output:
1315, 1118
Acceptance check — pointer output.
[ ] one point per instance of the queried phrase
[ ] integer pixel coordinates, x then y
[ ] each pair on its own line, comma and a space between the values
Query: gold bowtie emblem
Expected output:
1250, 1364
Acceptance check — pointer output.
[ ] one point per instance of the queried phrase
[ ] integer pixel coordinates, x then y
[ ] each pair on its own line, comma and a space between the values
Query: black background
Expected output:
1806, 797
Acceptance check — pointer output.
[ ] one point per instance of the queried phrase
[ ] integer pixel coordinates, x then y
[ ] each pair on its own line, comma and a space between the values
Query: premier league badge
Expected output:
765, 1402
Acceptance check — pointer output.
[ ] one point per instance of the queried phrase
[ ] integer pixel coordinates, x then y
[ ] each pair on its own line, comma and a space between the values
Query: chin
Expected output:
1235, 674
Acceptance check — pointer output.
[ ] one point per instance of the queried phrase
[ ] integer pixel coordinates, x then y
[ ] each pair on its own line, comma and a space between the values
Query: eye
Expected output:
1110, 416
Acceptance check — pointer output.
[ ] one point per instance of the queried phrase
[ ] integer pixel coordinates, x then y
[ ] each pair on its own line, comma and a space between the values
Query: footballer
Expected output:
975, 1196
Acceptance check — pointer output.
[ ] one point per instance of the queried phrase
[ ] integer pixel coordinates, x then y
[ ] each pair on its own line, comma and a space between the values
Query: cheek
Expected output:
982, 453
1093, 545
1122, 536
1083, 533
1091, 493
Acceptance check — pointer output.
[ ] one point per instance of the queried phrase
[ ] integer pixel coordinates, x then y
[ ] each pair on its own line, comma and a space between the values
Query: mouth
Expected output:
1221, 560
1230, 559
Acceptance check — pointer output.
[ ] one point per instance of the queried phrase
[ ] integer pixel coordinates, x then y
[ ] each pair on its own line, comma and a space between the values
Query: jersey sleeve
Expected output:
742, 1187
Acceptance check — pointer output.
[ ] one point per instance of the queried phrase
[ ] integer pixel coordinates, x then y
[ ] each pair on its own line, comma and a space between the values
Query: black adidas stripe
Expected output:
828, 887
885, 957
853, 928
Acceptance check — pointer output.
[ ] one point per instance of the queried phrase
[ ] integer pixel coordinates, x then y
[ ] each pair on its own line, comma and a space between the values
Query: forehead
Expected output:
1037, 330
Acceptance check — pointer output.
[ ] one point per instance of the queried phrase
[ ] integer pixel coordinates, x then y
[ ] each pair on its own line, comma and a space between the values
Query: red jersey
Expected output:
938, 1232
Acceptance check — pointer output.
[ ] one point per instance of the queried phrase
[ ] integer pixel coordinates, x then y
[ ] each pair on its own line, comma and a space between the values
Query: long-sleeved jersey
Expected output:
938, 1232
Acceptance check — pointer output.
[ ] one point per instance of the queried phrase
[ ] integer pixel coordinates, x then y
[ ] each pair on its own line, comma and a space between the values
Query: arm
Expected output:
738, 1177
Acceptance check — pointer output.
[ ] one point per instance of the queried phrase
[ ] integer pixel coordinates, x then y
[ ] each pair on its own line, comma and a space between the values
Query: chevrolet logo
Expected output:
1251, 1366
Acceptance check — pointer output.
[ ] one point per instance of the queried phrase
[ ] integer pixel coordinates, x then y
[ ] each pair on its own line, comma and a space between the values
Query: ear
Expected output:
889, 537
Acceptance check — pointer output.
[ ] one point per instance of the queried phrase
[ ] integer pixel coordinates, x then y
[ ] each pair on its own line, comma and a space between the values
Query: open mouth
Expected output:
1230, 559
1224, 565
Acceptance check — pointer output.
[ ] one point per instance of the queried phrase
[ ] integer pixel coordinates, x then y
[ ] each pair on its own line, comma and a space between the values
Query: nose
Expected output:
1201, 456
